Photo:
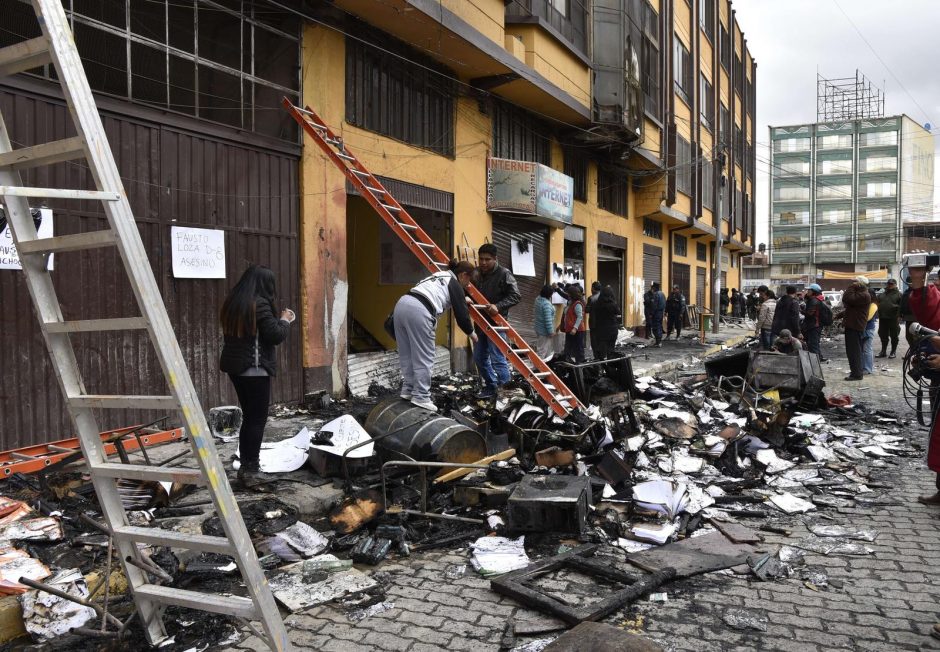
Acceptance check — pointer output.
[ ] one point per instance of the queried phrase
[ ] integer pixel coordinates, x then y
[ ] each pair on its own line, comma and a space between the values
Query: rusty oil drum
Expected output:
421, 435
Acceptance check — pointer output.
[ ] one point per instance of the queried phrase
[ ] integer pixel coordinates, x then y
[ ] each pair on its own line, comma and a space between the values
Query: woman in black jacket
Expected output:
251, 332
605, 315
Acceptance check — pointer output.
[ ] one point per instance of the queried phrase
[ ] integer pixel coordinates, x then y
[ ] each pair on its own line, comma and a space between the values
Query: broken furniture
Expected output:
521, 585
583, 376
550, 503
793, 375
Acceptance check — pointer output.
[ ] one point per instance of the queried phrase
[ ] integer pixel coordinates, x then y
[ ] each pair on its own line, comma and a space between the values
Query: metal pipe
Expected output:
66, 596
424, 466
153, 570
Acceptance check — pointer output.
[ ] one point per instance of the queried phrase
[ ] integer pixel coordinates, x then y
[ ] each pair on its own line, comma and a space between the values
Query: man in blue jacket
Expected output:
499, 287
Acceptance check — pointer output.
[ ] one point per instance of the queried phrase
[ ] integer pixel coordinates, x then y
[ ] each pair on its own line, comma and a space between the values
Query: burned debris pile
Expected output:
657, 481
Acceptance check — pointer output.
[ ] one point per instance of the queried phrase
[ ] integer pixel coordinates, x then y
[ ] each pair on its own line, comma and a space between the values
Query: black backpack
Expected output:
825, 313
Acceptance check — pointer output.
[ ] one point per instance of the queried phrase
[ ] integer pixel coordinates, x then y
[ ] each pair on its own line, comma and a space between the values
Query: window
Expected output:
400, 99
724, 48
519, 135
680, 245
701, 251
576, 167
652, 228
785, 243
878, 189
145, 52
791, 269
791, 145
872, 242
834, 141
843, 166
791, 218
828, 243
834, 191
649, 61
724, 127
792, 168
707, 100
791, 193
561, 6
682, 72
708, 185
878, 164
707, 18
684, 166
876, 138
612, 188
835, 216
876, 215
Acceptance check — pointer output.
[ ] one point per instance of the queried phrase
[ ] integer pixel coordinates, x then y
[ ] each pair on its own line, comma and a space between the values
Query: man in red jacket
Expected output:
925, 304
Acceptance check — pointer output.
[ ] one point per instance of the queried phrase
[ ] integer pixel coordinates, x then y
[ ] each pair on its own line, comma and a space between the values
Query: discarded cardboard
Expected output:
599, 637
702, 554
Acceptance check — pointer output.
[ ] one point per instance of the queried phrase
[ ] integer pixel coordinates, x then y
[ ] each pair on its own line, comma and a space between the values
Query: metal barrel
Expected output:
421, 435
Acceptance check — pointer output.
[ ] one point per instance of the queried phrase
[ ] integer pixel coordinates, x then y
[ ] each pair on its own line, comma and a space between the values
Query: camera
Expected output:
920, 260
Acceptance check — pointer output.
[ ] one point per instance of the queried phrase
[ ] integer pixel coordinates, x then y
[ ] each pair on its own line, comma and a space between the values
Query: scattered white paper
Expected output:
657, 533
791, 504
291, 591
346, 433
774, 464
283, 456
48, 616
662, 496
821, 454
304, 539
498, 555
631, 545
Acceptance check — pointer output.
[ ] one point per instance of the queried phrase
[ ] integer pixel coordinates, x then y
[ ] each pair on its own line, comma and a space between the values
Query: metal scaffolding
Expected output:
848, 98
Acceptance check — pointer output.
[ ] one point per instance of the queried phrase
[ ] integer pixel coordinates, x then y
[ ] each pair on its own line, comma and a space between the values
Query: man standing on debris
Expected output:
856, 301
889, 318
545, 323
654, 319
786, 314
415, 317
499, 287
812, 323
765, 319
573, 324
786, 343
251, 332
675, 312
607, 320
925, 304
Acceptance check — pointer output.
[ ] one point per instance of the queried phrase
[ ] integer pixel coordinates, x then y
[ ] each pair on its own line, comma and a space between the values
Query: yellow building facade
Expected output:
425, 93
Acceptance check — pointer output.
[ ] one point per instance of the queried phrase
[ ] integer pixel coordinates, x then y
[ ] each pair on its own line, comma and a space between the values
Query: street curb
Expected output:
671, 365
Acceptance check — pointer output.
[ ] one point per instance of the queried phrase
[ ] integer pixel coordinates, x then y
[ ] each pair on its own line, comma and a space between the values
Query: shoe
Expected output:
853, 378
893, 354
424, 405
929, 500
658, 345
882, 355
487, 392
253, 479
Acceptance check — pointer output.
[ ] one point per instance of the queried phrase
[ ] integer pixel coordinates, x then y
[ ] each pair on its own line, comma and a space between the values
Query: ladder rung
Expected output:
75, 242
345, 157
361, 173
148, 473
97, 325
542, 373
520, 351
563, 398
441, 264
59, 193
161, 537
500, 328
391, 208
220, 604
43, 154
119, 402
427, 246
409, 227
334, 141
480, 306
378, 190
313, 124
24, 56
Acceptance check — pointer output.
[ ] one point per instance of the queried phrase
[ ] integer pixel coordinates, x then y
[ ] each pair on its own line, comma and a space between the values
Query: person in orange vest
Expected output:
573, 324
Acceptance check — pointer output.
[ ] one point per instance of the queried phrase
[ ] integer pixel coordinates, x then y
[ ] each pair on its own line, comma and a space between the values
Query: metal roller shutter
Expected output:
506, 229
652, 265
700, 287
681, 276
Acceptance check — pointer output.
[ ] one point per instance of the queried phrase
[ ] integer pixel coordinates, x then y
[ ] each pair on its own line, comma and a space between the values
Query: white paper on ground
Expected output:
821, 454
48, 616
633, 546
669, 498
283, 456
657, 533
346, 432
498, 555
774, 464
791, 504
304, 539
291, 591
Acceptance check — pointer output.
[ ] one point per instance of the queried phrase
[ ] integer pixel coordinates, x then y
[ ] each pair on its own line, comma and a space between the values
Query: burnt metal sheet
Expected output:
703, 554
172, 177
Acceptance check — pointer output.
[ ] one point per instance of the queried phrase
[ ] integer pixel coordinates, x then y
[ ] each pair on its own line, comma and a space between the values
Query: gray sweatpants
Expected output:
415, 334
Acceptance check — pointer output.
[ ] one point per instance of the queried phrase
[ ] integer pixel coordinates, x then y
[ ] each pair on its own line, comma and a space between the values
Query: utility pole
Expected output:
719, 236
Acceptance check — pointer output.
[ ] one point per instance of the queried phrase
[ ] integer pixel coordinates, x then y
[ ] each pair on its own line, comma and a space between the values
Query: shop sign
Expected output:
529, 188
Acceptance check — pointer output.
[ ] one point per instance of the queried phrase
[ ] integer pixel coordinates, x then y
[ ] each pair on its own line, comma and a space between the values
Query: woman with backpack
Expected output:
573, 324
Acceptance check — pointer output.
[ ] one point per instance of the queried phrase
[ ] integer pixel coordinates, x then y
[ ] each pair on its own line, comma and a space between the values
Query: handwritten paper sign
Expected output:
9, 258
197, 253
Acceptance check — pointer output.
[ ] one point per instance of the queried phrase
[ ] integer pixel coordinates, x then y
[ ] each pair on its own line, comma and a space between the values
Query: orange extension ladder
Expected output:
519, 354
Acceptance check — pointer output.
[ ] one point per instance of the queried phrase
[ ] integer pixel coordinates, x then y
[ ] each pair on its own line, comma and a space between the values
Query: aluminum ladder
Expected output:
57, 46
519, 354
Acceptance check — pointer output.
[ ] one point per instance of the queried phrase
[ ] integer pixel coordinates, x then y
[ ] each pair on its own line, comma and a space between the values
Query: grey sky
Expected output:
793, 39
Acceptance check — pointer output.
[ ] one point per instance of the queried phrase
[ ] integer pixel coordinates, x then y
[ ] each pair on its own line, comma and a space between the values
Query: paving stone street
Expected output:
884, 601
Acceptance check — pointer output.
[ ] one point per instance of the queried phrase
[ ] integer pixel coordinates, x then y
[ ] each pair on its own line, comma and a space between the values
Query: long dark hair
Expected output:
238, 310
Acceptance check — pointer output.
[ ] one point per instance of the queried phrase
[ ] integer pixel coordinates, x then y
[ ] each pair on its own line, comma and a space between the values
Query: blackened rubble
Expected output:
661, 479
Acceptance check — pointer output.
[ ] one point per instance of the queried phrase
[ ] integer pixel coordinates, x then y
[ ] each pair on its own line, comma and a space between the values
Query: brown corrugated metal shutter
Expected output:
505, 229
652, 265
700, 286
681, 276
172, 177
